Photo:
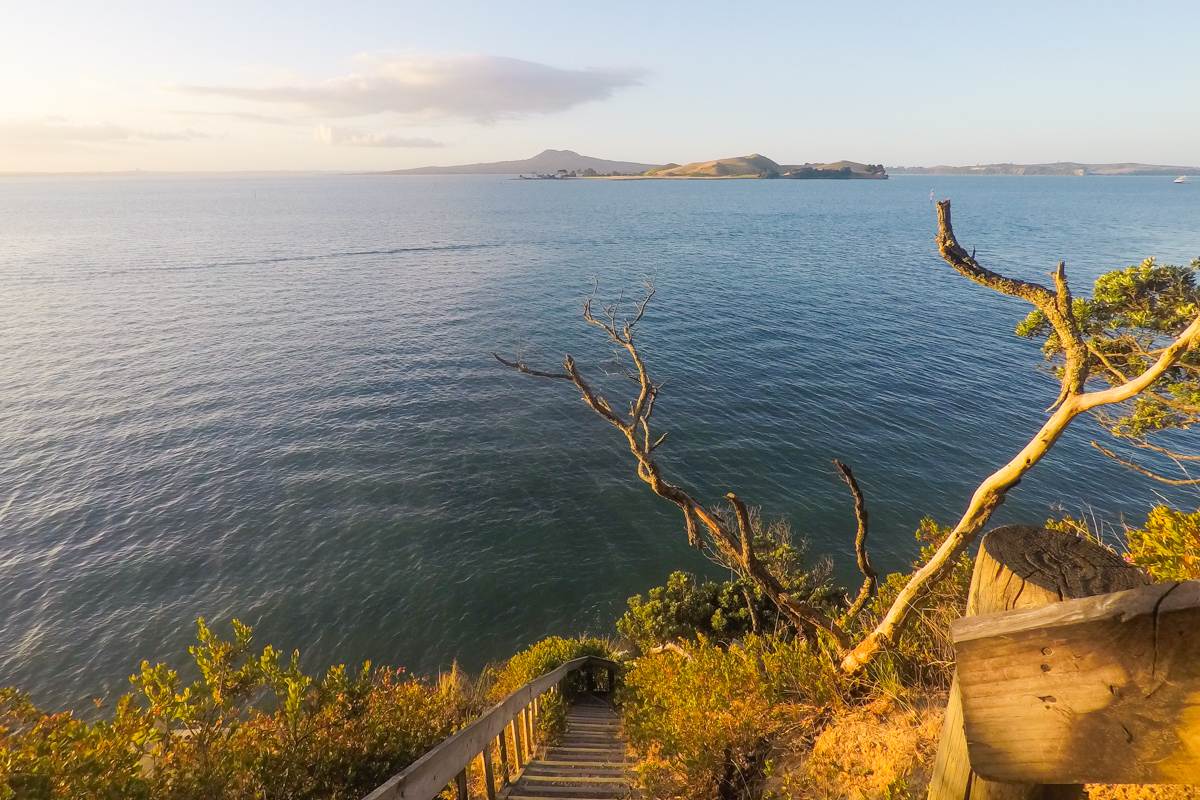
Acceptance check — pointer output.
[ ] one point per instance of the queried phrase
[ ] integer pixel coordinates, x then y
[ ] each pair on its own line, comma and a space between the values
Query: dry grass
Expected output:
1127, 792
882, 750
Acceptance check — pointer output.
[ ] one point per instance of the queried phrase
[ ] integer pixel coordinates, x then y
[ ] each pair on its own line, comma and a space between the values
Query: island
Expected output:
568, 164
548, 163
756, 165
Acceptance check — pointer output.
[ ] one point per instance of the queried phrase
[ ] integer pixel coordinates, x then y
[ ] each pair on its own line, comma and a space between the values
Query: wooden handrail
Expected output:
447, 763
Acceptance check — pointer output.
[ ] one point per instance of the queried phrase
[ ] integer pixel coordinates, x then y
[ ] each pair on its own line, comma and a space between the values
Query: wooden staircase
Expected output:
588, 764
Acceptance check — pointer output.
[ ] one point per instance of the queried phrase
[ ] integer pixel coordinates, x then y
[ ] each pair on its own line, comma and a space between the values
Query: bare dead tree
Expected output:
730, 541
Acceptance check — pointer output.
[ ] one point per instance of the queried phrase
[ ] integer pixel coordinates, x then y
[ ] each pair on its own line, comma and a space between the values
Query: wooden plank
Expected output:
1019, 567
1099, 690
460, 786
429, 774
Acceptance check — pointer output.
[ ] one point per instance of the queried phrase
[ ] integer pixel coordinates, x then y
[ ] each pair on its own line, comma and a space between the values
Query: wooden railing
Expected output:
450, 761
1071, 668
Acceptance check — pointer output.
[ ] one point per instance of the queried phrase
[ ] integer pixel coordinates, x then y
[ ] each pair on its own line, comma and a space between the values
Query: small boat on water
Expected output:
1180, 179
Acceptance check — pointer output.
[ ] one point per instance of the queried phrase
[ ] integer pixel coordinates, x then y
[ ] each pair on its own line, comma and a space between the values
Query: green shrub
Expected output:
1167, 546
686, 608
538, 659
60, 756
704, 723
250, 726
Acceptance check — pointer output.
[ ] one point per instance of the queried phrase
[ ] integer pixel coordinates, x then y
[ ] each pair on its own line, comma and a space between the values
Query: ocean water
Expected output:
272, 397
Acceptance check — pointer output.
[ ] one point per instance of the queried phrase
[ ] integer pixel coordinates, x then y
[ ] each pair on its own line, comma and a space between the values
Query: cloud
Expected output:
57, 131
240, 116
478, 87
357, 138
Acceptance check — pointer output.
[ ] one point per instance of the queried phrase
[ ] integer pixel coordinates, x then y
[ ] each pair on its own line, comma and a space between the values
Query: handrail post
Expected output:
612, 679
527, 721
518, 750
489, 777
460, 785
503, 740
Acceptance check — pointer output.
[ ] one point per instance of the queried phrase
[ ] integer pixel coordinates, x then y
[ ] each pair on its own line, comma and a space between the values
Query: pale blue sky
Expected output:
296, 85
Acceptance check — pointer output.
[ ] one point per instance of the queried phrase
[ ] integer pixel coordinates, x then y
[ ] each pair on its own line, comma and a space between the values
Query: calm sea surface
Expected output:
272, 397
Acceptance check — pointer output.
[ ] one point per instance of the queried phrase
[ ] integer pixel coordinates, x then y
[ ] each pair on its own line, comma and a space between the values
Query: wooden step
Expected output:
590, 763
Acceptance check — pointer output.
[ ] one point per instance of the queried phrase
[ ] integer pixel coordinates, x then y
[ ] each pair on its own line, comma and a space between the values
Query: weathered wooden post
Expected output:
460, 786
503, 740
518, 750
489, 778
527, 733
1021, 567
612, 679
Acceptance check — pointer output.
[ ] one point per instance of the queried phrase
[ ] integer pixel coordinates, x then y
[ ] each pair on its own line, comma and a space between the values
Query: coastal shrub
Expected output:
45, 756
704, 720
1167, 546
687, 608
251, 725
538, 659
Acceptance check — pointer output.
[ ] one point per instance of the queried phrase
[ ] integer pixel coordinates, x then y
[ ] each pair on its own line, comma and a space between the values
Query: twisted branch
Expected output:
870, 578
730, 547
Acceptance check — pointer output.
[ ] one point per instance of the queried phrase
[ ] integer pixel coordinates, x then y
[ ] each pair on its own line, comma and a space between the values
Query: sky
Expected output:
181, 86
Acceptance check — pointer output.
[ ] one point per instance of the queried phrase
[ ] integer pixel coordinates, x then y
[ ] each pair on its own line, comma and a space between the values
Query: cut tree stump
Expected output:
1021, 567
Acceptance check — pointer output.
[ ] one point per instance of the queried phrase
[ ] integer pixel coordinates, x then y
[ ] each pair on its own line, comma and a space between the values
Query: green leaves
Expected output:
1168, 545
1132, 313
252, 725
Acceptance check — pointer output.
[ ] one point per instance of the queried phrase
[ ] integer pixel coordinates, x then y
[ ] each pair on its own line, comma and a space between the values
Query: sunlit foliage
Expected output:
251, 725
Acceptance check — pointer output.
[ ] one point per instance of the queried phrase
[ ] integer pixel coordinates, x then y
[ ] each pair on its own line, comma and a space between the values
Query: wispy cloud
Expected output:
356, 138
240, 116
57, 131
479, 87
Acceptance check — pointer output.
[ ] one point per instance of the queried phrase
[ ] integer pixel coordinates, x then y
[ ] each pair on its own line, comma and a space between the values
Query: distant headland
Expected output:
547, 162
559, 164
1066, 168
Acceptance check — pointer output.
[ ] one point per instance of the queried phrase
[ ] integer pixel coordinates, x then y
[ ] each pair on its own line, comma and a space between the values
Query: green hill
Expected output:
751, 166
756, 165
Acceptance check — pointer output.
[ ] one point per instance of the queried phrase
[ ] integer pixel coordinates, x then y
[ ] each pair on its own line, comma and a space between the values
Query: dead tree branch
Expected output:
733, 547
521, 366
870, 578
1141, 470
